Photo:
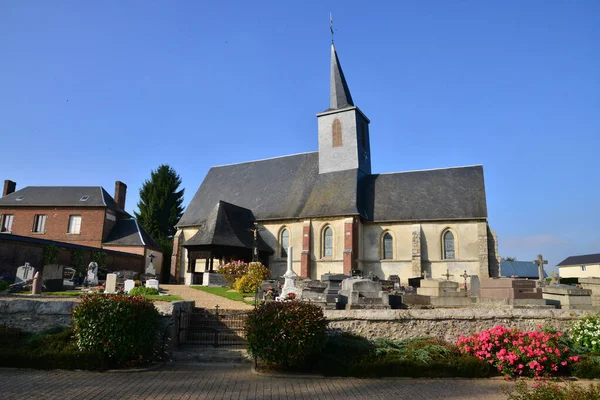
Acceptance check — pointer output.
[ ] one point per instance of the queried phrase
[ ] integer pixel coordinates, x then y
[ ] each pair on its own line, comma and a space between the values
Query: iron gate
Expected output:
218, 328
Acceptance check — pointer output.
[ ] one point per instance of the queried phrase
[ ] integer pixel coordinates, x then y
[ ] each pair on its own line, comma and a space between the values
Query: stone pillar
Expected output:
176, 257
350, 244
493, 254
482, 243
305, 254
416, 250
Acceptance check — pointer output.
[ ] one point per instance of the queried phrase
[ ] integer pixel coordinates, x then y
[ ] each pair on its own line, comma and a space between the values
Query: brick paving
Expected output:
179, 382
204, 299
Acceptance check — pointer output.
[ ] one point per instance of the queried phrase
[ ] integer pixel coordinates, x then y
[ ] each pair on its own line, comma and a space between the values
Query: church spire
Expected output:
339, 96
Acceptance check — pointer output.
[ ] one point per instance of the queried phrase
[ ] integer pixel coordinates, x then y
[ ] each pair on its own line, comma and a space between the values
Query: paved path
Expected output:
203, 299
180, 382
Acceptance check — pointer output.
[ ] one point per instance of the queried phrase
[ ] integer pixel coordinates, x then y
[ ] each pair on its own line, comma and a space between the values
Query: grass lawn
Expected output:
163, 298
68, 293
226, 292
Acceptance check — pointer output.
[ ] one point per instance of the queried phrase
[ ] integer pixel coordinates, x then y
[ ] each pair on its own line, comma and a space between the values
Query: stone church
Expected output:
338, 216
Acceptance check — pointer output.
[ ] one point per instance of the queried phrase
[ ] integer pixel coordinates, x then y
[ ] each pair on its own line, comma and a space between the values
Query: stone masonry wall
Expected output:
448, 324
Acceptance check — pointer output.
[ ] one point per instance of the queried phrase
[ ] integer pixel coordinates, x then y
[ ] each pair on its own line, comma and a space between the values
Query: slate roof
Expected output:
60, 196
523, 269
127, 232
581, 260
228, 225
291, 187
339, 96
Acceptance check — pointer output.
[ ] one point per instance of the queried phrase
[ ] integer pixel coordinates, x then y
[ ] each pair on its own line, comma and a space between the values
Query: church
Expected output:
337, 214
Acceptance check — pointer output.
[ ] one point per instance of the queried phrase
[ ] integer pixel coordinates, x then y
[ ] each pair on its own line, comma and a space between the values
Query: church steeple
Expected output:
339, 96
343, 128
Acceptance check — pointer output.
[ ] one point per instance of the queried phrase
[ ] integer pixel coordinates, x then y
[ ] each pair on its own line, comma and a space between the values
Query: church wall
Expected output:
277, 263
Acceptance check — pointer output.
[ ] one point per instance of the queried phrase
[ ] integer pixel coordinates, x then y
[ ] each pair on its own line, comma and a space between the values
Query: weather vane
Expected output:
331, 26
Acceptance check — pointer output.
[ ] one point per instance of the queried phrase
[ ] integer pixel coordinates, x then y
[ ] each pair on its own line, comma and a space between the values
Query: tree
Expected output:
508, 259
160, 205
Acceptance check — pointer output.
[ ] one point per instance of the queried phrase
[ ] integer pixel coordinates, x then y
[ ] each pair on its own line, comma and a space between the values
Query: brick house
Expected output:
79, 215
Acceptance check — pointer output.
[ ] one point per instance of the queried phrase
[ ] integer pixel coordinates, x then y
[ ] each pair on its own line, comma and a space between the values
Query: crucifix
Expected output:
540, 263
425, 274
465, 276
255, 229
447, 275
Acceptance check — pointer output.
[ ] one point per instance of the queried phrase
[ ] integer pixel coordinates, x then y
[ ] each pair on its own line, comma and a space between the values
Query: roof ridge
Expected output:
429, 169
263, 159
139, 231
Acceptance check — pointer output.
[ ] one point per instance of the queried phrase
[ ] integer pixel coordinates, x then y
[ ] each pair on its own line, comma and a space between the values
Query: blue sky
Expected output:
93, 92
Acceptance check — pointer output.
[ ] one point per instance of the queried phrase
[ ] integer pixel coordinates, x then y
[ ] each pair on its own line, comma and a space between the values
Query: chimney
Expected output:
120, 193
9, 187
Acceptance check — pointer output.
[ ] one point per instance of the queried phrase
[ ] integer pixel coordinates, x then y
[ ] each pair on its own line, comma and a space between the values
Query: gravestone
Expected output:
150, 270
128, 285
396, 280
91, 278
334, 285
511, 292
474, 284
213, 279
289, 287
592, 284
441, 293
313, 291
53, 277
36, 288
25, 273
69, 277
110, 286
541, 282
361, 293
568, 297
152, 283
555, 278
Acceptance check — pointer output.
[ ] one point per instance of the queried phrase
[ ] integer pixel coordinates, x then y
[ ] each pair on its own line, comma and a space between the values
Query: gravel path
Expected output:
203, 299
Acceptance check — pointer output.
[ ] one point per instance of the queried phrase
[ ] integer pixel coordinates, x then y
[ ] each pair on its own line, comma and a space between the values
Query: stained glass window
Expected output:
388, 247
449, 246
285, 242
328, 242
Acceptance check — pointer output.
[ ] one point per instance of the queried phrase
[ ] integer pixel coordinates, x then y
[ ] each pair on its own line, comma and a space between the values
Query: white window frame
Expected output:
39, 221
583, 268
74, 228
8, 226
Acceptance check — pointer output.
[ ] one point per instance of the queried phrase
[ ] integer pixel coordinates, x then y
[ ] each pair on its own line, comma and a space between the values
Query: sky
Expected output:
94, 92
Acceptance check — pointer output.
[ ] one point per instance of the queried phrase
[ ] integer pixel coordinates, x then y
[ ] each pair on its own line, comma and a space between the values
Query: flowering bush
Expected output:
255, 275
586, 332
232, 271
513, 352
286, 333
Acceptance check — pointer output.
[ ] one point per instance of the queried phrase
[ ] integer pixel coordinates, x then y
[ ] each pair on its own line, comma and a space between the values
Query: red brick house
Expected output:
79, 215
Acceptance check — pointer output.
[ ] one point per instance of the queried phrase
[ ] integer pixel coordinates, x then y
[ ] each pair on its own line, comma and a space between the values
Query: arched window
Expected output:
449, 253
284, 240
388, 246
336, 134
328, 242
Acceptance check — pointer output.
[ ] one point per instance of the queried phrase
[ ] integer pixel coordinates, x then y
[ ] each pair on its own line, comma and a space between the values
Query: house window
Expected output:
448, 252
39, 224
7, 221
328, 242
284, 239
388, 246
336, 134
583, 268
74, 224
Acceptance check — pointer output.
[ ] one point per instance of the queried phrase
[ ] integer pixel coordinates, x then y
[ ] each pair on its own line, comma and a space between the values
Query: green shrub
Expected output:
123, 327
286, 334
586, 332
588, 367
553, 391
249, 281
3, 285
50, 254
143, 291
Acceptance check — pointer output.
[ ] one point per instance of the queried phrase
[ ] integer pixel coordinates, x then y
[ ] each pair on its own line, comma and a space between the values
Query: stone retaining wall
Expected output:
447, 324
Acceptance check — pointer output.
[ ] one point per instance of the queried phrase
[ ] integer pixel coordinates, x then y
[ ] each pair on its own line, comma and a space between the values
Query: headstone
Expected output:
510, 292
334, 285
555, 278
150, 270
53, 277
313, 291
213, 279
36, 288
289, 287
474, 285
110, 285
360, 293
91, 278
396, 280
129, 284
24, 273
152, 283
439, 293
69, 277
568, 297
592, 284
540, 263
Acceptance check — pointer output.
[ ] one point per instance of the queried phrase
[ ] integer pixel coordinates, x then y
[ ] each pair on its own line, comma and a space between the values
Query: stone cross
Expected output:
540, 263
465, 276
448, 274
555, 278
425, 274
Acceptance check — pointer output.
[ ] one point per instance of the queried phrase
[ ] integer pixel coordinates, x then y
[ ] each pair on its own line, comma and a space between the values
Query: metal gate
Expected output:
217, 328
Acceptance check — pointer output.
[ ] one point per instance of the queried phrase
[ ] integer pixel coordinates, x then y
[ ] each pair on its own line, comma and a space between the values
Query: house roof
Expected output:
60, 196
524, 269
291, 187
581, 260
127, 232
228, 225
